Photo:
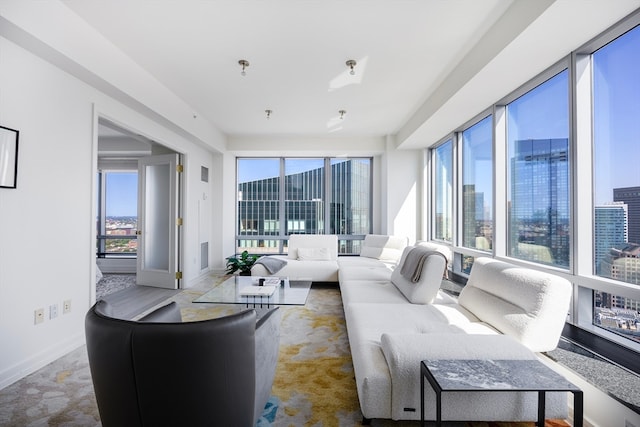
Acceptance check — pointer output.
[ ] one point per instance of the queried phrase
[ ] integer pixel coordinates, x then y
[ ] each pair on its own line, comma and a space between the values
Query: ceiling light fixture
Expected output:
351, 64
342, 113
244, 63
268, 113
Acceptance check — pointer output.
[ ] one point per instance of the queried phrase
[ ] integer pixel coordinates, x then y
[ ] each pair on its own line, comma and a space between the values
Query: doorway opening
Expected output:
127, 192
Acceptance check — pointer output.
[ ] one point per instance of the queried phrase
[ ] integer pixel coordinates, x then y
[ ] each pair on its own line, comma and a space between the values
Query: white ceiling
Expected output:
297, 52
413, 56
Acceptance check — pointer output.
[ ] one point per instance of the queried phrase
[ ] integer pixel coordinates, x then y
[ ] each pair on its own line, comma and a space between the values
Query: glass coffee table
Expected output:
247, 290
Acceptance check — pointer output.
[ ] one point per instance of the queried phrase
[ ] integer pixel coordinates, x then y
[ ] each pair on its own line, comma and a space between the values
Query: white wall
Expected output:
47, 244
402, 190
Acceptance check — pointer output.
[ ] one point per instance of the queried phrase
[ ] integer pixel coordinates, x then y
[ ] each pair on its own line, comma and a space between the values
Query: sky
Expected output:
122, 194
256, 169
617, 115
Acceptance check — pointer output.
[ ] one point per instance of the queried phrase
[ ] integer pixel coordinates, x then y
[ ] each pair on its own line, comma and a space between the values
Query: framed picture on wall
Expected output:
8, 157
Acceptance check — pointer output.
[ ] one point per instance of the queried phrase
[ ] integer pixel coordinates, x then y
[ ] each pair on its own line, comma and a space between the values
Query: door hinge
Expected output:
178, 275
179, 168
178, 221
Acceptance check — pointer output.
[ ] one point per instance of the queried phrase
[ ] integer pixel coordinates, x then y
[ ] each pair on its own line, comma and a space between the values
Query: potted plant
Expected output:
242, 263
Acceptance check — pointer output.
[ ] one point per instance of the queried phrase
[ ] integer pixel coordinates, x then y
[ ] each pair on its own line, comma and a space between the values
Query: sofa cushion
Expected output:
380, 291
527, 304
367, 291
373, 273
348, 261
314, 254
382, 247
424, 291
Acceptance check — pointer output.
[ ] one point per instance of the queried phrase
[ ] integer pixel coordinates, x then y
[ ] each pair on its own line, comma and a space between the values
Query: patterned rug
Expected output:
110, 283
314, 383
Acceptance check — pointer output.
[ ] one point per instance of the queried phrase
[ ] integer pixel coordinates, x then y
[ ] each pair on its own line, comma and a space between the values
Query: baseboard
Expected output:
40, 360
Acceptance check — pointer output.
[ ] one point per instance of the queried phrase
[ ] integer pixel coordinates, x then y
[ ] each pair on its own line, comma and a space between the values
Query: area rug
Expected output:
314, 384
110, 283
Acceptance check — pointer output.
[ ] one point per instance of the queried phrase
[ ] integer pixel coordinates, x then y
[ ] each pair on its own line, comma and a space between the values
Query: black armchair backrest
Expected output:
170, 374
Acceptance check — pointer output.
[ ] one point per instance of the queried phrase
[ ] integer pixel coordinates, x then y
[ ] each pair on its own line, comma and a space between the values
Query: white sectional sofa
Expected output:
395, 320
504, 312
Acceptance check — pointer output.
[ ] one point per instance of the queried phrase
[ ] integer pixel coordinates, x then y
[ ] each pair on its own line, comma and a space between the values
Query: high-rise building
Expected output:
622, 263
631, 197
610, 229
539, 210
476, 233
469, 203
304, 209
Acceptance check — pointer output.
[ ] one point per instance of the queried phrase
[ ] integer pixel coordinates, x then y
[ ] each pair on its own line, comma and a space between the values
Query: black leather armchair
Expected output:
159, 371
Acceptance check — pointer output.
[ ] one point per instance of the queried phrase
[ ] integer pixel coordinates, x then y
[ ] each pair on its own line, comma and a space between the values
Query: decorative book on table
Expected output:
258, 291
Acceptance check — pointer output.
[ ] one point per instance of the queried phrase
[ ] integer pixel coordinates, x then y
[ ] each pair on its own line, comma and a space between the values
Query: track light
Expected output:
342, 113
268, 112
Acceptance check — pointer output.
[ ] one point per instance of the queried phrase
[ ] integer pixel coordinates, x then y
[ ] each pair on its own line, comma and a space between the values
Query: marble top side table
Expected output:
496, 375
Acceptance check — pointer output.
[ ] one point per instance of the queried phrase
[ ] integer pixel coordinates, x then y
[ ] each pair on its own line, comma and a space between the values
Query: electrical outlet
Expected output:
38, 316
66, 306
53, 311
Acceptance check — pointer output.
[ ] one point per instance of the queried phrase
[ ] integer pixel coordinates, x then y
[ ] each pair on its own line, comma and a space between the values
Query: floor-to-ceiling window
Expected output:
443, 191
538, 173
258, 198
117, 220
476, 142
278, 197
477, 185
616, 181
566, 184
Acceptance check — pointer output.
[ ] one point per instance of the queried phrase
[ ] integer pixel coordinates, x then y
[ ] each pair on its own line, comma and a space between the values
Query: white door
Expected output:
158, 262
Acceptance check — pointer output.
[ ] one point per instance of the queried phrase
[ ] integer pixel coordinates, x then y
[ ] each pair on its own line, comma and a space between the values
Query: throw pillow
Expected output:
314, 254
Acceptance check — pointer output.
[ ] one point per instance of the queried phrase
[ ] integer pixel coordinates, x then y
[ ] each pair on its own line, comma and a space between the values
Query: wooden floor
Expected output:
128, 303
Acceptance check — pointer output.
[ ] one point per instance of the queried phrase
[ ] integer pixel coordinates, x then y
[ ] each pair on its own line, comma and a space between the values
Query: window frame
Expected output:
101, 213
451, 138
580, 271
460, 198
282, 237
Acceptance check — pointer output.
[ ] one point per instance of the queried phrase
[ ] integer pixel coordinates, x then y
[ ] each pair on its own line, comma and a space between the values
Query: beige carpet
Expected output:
314, 381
